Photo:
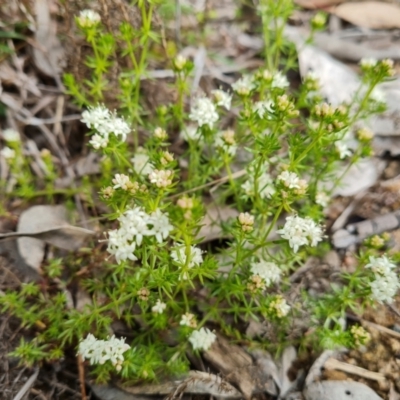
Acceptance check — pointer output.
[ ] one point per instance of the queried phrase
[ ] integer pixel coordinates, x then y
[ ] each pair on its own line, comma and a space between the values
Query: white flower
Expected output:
7, 153
120, 181
161, 178
244, 85
98, 141
134, 224
160, 133
104, 122
11, 135
301, 231
88, 18
222, 98
119, 127
385, 287
161, 225
342, 149
368, 62
159, 307
124, 252
178, 254
202, 339
246, 221
188, 320
263, 107
94, 117
180, 62
380, 265
322, 199
269, 271
204, 112
279, 81
141, 164
225, 140
100, 351
280, 307
289, 179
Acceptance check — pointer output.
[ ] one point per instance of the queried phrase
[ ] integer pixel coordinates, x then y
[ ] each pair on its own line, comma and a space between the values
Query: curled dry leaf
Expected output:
45, 224
370, 14
196, 382
334, 390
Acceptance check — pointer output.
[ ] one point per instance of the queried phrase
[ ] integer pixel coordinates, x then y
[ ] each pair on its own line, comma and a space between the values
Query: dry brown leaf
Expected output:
238, 368
334, 390
48, 52
45, 224
313, 4
197, 382
358, 177
370, 14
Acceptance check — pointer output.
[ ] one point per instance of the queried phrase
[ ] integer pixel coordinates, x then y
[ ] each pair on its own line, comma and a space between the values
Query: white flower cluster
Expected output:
134, 225
368, 63
100, 351
301, 232
161, 178
222, 98
204, 112
265, 184
88, 18
225, 141
263, 107
386, 282
280, 307
102, 120
244, 85
188, 319
202, 339
290, 180
178, 254
268, 271
279, 81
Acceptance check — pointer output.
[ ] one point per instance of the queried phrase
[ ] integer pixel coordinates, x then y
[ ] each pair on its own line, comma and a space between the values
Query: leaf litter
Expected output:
238, 367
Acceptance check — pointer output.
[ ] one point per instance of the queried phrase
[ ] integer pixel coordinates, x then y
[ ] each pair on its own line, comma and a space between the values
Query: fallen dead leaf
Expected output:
370, 14
313, 4
238, 369
45, 224
196, 382
48, 52
359, 177
334, 390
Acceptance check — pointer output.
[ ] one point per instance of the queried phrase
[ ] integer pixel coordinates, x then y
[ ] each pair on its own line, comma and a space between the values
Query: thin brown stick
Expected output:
81, 370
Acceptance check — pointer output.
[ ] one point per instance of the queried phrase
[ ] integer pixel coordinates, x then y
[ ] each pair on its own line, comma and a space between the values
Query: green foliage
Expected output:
277, 157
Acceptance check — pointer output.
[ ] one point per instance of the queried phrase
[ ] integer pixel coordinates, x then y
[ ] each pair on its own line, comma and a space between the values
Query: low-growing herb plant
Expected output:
274, 160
